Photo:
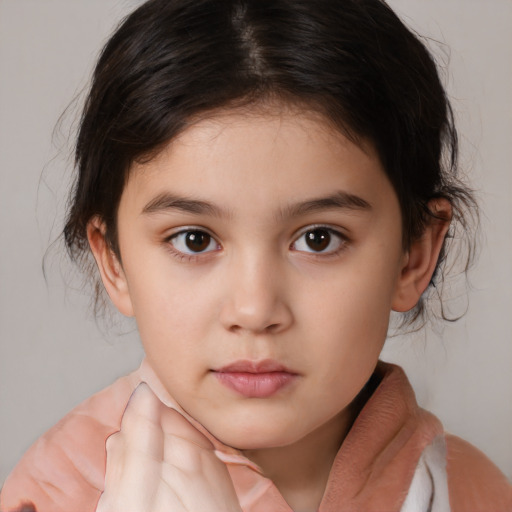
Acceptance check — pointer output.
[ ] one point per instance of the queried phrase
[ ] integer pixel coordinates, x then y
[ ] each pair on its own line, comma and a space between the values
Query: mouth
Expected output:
255, 379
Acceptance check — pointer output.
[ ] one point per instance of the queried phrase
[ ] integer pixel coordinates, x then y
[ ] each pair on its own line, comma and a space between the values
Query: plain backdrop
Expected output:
52, 354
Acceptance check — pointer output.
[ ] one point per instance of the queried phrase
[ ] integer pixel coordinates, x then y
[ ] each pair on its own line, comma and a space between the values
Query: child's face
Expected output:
261, 238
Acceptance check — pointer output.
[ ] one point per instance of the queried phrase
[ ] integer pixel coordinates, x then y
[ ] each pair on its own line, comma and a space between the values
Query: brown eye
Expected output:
193, 242
318, 240
197, 241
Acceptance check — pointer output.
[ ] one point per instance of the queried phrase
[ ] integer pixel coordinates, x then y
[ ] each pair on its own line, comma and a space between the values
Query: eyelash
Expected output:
343, 241
191, 257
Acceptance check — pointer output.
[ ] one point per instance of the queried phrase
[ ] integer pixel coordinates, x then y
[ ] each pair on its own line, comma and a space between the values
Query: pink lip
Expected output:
255, 379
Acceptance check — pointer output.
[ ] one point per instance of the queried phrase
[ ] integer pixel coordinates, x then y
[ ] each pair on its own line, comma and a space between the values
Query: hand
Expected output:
159, 462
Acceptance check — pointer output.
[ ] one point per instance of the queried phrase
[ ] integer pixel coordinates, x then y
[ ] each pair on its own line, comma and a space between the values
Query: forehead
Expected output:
259, 128
257, 159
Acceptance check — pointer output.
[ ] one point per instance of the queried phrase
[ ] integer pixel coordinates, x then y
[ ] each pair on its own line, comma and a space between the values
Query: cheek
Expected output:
348, 315
160, 286
351, 302
173, 311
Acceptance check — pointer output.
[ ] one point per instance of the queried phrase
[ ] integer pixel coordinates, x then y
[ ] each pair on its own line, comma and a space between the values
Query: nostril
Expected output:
269, 329
235, 329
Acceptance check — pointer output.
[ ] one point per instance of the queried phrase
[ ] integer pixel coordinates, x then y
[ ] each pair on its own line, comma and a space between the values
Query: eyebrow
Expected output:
168, 201
339, 200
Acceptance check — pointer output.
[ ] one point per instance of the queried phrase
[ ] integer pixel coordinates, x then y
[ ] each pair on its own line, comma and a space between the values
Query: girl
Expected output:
260, 184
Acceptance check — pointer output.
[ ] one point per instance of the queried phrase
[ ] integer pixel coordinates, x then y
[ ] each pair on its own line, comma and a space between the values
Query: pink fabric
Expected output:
64, 470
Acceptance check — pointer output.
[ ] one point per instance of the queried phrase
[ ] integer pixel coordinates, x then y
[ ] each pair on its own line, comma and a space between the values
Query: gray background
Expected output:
52, 355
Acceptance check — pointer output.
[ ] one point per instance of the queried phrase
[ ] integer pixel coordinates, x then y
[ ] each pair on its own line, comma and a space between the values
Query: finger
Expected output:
173, 423
143, 403
192, 469
184, 445
208, 487
140, 425
131, 477
134, 454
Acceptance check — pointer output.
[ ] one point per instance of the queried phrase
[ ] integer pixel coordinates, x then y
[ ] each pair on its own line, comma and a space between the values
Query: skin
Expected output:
258, 291
158, 462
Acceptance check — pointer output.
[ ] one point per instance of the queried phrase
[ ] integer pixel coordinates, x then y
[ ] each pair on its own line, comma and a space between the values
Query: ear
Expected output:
421, 259
109, 266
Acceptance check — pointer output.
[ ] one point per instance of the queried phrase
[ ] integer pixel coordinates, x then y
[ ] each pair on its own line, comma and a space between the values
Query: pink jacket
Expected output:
396, 457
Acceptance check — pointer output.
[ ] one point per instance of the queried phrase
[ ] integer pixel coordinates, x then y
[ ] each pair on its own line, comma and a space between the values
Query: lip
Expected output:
255, 379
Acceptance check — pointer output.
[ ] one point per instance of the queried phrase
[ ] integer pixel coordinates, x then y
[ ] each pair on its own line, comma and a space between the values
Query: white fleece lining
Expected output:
429, 487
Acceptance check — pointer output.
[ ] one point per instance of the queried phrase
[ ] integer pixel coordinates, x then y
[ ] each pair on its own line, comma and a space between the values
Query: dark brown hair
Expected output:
353, 61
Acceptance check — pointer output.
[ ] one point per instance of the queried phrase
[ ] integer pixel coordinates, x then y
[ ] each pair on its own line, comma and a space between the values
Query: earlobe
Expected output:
421, 259
111, 271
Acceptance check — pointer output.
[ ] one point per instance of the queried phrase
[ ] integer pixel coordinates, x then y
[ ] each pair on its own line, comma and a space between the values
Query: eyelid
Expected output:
190, 256
344, 239
183, 229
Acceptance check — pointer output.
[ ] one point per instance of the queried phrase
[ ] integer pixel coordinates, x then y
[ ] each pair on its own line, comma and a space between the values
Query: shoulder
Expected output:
475, 483
64, 469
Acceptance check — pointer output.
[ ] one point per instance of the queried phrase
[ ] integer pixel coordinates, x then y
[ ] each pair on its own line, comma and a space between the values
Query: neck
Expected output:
300, 471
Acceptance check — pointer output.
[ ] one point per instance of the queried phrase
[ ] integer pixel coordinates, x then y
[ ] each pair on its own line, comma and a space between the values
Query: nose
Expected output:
255, 299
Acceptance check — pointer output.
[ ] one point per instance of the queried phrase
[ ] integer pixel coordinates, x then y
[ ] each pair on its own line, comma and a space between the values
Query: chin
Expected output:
255, 435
